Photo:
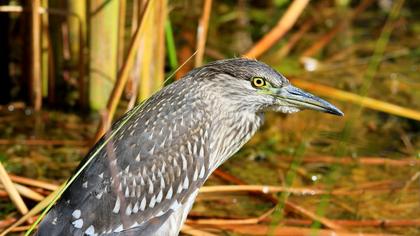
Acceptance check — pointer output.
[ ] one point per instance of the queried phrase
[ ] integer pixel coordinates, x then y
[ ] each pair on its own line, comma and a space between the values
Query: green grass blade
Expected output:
170, 44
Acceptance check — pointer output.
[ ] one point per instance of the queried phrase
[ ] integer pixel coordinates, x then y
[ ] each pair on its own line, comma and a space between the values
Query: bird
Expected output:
143, 176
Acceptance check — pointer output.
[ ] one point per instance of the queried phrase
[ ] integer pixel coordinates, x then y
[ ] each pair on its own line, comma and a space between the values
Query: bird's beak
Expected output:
298, 98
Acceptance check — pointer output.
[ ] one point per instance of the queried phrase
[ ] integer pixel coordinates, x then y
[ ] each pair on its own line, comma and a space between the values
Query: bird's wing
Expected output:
145, 171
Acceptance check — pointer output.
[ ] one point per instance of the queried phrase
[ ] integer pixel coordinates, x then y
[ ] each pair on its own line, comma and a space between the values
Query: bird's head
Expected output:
253, 84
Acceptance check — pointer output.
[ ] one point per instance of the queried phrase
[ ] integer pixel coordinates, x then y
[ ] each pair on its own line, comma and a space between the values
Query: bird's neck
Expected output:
231, 129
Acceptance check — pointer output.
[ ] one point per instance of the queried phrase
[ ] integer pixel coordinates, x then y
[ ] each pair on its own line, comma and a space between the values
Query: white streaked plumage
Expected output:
117, 205
143, 204
76, 213
78, 223
90, 230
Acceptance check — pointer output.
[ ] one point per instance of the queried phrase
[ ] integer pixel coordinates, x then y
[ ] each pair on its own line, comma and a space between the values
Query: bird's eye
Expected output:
258, 82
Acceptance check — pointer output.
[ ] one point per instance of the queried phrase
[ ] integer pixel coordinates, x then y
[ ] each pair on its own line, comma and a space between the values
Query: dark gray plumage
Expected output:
145, 179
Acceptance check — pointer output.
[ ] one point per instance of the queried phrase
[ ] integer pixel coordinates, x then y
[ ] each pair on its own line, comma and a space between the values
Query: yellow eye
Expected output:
258, 82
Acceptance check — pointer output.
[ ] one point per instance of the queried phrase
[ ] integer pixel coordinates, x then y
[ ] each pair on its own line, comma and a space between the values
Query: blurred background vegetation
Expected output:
68, 68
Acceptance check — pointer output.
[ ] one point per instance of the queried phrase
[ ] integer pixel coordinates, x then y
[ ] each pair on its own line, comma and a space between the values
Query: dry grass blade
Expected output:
6, 222
232, 179
254, 220
359, 100
159, 50
202, 32
186, 229
34, 183
287, 231
27, 192
285, 23
381, 223
146, 48
11, 190
259, 188
327, 222
3, 194
35, 46
37, 142
152, 51
21, 228
382, 186
151, 54
408, 161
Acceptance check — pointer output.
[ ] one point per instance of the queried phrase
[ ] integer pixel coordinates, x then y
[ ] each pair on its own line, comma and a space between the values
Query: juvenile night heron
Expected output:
144, 176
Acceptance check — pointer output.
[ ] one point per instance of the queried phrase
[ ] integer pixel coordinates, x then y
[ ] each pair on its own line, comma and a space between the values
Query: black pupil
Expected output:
258, 82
